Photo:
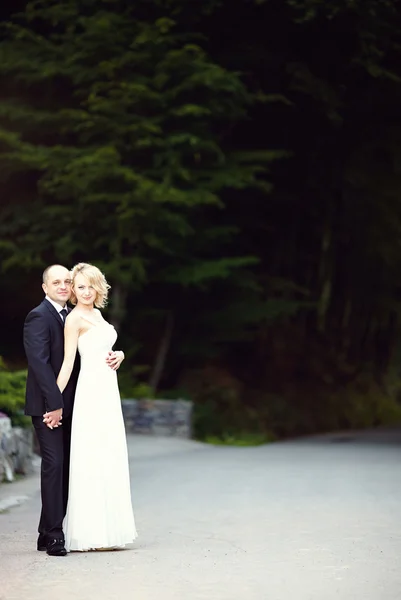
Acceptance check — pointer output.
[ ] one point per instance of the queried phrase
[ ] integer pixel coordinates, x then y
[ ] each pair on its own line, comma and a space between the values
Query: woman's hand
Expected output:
114, 359
53, 419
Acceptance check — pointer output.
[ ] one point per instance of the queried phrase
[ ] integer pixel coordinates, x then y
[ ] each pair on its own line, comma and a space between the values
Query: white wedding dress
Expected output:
99, 512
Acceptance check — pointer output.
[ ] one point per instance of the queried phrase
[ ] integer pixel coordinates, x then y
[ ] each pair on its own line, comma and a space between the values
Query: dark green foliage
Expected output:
139, 135
227, 412
12, 394
126, 137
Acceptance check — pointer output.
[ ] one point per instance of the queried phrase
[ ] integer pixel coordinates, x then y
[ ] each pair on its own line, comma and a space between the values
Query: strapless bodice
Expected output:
97, 341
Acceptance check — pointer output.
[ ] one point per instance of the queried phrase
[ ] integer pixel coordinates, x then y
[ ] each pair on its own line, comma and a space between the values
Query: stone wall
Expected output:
158, 417
15, 450
171, 418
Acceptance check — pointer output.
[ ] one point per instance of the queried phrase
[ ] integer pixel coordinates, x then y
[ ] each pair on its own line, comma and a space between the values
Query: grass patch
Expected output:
244, 439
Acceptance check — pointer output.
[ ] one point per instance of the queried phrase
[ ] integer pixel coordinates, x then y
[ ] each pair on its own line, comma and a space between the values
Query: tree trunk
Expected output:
164, 345
345, 324
325, 280
117, 306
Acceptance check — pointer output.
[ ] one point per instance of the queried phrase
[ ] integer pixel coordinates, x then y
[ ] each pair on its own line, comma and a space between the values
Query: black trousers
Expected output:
55, 451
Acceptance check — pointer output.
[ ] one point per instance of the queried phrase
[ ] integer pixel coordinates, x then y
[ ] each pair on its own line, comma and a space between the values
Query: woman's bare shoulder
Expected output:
73, 317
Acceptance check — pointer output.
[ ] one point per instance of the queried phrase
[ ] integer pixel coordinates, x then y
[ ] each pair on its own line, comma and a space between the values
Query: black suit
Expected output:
44, 348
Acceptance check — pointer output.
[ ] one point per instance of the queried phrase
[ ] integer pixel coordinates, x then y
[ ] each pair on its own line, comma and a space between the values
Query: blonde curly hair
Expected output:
96, 279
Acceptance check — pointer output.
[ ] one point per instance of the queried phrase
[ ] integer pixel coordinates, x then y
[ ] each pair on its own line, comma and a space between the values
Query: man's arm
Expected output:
37, 349
115, 358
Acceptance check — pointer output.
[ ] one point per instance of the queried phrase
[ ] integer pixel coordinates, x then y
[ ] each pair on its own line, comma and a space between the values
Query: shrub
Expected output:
226, 411
137, 391
220, 413
12, 394
364, 404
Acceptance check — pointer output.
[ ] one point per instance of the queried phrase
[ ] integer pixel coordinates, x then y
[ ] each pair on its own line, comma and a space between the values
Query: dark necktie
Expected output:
63, 314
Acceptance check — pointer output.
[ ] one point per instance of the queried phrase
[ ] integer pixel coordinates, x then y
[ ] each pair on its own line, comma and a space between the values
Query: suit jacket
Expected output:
44, 348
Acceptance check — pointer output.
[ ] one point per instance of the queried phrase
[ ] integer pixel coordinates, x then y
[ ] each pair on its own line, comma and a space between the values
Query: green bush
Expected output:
12, 394
241, 439
220, 414
137, 391
227, 411
364, 404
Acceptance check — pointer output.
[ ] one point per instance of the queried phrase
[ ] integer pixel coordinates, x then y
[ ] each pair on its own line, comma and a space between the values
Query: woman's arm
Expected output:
71, 334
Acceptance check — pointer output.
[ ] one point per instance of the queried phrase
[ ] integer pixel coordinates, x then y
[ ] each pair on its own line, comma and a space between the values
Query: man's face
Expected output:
58, 284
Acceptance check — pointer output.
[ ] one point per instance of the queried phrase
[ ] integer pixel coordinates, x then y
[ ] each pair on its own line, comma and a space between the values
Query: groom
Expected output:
50, 410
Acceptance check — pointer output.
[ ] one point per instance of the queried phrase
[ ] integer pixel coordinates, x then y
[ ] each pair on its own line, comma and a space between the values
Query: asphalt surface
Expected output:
312, 519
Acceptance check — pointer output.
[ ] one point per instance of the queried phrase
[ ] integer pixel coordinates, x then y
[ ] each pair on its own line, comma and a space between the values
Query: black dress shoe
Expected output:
56, 548
42, 542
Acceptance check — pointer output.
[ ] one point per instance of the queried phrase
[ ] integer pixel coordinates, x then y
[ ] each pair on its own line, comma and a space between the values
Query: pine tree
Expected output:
122, 120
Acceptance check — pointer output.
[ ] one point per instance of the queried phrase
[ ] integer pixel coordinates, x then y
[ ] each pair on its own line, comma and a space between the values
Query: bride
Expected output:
99, 512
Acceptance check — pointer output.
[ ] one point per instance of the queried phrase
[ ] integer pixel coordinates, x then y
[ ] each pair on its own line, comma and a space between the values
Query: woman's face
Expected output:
84, 292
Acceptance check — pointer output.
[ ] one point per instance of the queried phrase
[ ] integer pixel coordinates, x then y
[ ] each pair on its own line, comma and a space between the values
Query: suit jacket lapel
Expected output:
53, 311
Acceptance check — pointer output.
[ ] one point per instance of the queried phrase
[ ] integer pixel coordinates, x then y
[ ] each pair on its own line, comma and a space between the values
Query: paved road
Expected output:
316, 519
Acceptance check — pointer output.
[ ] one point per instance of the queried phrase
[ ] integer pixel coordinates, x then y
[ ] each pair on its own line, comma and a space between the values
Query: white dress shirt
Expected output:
57, 306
